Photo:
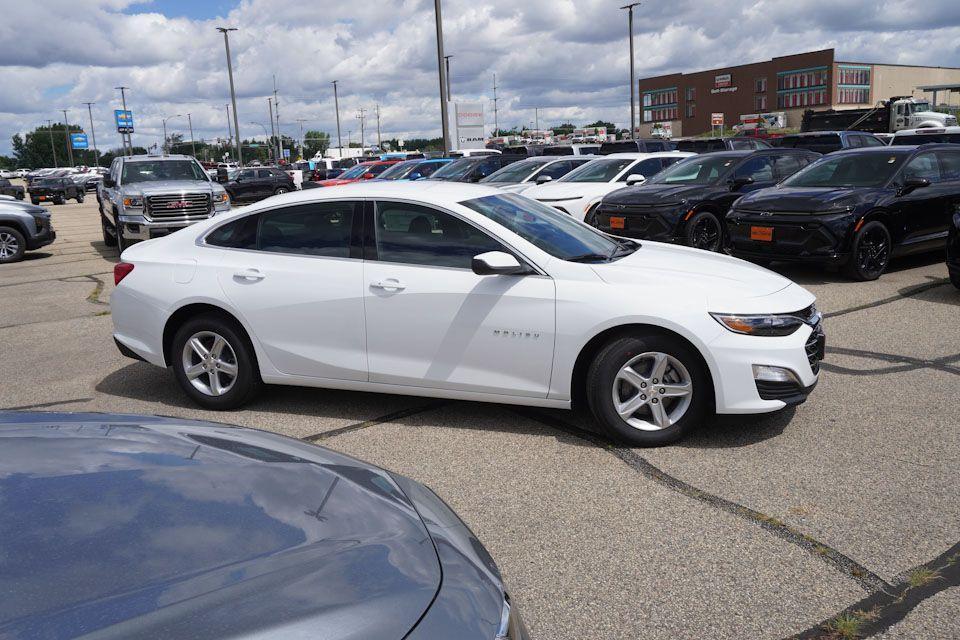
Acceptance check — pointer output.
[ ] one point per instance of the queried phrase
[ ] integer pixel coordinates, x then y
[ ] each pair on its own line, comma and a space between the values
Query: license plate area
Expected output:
618, 222
761, 234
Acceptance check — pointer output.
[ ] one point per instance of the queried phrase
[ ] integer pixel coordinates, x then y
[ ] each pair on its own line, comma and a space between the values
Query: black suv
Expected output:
640, 145
258, 183
706, 145
8, 189
56, 190
686, 202
829, 141
855, 209
474, 168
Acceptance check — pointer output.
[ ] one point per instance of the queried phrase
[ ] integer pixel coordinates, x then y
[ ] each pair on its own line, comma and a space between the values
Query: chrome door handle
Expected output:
389, 284
249, 274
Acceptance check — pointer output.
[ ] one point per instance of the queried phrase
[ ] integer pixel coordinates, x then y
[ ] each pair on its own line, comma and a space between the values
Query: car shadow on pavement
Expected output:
35, 255
810, 274
107, 253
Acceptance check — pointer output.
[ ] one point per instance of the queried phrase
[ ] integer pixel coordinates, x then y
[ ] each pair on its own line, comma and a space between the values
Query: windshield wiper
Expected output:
587, 257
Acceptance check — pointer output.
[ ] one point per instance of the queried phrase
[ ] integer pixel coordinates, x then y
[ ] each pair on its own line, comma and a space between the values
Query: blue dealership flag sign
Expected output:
79, 141
124, 120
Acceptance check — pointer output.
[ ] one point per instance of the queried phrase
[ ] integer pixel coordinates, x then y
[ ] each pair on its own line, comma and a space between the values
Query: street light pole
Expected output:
193, 146
360, 117
53, 148
379, 140
336, 105
229, 127
93, 134
276, 112
125, 139
166, 147
446, 60
66, 134
633, 86
233, 93
444, 122
273, 133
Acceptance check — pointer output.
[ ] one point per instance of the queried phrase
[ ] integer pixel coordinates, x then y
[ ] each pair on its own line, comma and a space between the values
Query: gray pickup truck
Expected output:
23, 227
147, 197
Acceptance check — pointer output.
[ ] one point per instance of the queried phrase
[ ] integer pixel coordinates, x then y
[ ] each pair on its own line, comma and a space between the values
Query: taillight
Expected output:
120, 271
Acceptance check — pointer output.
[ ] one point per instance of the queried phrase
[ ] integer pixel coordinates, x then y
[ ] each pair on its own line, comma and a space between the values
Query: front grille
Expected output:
178, 206
815, 345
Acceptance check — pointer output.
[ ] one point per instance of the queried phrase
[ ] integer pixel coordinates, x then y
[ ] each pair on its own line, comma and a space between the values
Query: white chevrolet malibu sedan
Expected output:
463, 291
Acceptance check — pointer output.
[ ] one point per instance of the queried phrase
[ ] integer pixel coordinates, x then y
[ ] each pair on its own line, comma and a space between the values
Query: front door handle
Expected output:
252, 275
390, 284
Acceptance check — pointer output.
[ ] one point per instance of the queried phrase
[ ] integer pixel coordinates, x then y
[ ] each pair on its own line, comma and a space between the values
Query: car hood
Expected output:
716, 277
135, 526
570, 190
333, 182
658, 193
805, 199
164, 187
20, 205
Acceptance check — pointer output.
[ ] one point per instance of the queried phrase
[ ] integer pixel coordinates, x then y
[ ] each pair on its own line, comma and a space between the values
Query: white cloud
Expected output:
567, 56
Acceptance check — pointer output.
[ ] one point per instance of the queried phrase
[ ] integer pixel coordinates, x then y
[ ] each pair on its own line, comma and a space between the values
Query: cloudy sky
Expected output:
568, 57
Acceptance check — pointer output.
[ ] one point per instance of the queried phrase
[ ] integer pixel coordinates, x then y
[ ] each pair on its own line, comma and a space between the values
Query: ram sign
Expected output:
468, 125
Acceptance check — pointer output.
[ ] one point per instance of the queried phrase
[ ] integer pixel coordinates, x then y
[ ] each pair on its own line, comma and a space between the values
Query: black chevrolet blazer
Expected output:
686, 203
855, 209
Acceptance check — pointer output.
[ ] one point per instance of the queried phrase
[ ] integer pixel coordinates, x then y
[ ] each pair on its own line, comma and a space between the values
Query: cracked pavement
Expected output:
756, 526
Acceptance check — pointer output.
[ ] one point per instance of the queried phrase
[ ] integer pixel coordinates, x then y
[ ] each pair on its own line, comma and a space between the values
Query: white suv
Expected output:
464, 291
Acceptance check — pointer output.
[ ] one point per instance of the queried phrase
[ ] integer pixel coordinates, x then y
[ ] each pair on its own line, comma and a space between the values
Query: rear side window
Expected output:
742, 144
949, 164
318, 229
239, 234
758, 168
870, 141
786, 165
264, 173
655, 146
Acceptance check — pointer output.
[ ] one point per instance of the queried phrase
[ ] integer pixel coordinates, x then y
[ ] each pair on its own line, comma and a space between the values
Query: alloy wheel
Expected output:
652, 391
9, 245
873, 251
210, 363
706, 234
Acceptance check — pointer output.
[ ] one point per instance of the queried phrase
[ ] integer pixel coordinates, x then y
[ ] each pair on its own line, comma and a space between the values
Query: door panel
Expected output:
432, 322
923, 210
303, 298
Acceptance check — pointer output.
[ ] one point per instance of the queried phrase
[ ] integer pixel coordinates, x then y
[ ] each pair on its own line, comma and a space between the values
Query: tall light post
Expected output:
336, 105
633, 86
379, 139
53, 148
229, 127
193, 146
125, 139
166, 147
272, 132
66, 135
444, 122
361, 116
276, 113
93, 134
233, 93
300, 121
446, 66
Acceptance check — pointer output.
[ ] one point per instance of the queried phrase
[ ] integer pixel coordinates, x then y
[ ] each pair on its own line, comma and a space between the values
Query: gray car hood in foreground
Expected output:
130, 526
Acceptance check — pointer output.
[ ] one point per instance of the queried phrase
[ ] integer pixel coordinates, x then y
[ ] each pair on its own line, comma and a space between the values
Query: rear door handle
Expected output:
390, 284
252, 275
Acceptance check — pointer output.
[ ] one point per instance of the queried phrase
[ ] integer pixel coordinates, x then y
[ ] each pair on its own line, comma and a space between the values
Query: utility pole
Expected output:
446, 60
273, 133
496, 125
379, 141
93, 134
166, 147
300, 121
444, 121
125, 139
633, 86
53, 148
229, 127
276, 111
536, 118
361, 116
336, 105
233, 94
66, 134
193, 146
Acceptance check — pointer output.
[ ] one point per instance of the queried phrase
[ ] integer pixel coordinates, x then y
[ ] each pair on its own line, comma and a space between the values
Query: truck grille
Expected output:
178, 206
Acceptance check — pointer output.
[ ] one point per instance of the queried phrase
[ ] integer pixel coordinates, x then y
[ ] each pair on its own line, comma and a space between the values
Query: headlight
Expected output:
133, 201
220, 198
759, 325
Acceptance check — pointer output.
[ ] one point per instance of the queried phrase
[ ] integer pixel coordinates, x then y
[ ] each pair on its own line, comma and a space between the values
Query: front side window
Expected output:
705, 169
758, 169
556, 170
160, 170
455, 171
949, 164
871, 169
543, 226
603, 170
247, 174
786, 165
923, 166
870, 141
647, 168
414, 234
317, 229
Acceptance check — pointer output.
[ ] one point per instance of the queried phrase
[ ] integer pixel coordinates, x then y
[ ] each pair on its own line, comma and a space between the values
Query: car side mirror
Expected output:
635, 178
222, 175
368, 176
109, 182
544, 179
494, 263
913, 183
739, 183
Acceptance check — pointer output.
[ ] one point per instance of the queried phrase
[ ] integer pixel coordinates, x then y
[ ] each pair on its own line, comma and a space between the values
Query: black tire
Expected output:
280, 190
58, 200
80, 197
245, 385
602, 378
109, 240
122, 243
870, 252
955, 278
20, 195
705, 231
34, 201
12, 245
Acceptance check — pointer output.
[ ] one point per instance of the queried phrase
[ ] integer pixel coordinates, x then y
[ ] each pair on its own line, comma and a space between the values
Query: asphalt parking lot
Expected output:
840, 515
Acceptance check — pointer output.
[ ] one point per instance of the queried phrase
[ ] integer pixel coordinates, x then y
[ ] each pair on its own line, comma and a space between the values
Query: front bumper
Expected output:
793, 238
43, 237
642, 223
138, 227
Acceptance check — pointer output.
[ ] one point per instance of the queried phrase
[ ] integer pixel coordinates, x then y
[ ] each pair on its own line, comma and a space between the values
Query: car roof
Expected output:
930, 130
169, 156
437, 192
649, 154
899, 148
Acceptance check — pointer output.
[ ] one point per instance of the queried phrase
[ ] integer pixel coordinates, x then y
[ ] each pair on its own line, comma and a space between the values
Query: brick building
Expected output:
787, 85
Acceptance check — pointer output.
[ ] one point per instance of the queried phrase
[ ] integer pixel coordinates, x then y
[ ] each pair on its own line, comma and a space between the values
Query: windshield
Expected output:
923, 138
545, 227
849, 170
705, 169
603, 170
50, 182
917, 107
516, 172
400, 170
455, 170
157, 170
353, 172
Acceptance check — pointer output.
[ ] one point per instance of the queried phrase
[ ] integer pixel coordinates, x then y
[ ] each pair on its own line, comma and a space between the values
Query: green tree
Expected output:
566, 127
600, 123
315, 142
36, 149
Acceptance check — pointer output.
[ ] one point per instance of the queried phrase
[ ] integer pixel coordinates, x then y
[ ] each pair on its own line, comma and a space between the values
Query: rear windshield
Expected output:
923, 138
700, 146
626, 146
558, 151
821, 144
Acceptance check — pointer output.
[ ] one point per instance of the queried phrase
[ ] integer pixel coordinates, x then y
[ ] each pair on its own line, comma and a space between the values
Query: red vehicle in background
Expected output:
362, 171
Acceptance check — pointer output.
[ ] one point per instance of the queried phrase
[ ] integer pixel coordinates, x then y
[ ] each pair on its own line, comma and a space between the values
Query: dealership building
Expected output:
783, 88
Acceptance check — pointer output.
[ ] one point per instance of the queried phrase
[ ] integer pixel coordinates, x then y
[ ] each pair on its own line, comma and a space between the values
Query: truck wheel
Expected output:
280, 190
12, 245
871, 252
109, 240
122, 243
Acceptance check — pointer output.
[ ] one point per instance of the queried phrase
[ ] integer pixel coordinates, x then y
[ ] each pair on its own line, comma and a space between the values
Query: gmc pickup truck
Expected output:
148, 196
